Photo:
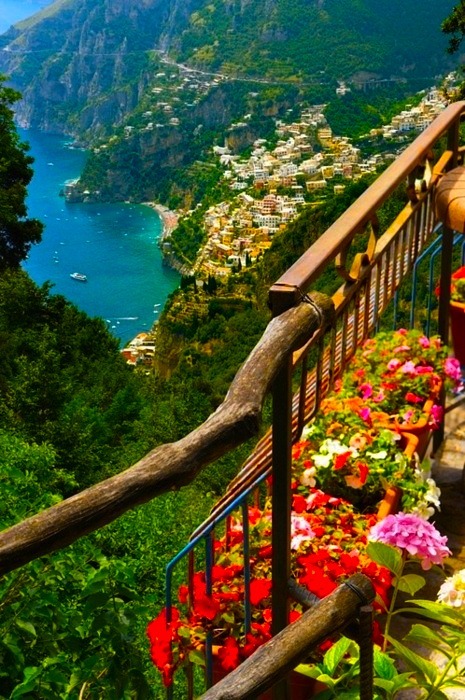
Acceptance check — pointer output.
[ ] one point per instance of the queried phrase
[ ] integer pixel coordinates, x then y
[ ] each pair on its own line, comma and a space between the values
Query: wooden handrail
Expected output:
291, 646
176, 464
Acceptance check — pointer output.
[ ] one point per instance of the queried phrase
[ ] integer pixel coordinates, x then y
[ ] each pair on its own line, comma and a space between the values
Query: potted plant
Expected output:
398, 376
329, 539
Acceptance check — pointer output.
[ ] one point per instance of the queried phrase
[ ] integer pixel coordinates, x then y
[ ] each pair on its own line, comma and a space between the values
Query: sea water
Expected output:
114, 245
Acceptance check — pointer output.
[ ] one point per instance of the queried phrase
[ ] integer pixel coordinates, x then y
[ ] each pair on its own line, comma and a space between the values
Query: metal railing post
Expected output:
281, 511
443, 313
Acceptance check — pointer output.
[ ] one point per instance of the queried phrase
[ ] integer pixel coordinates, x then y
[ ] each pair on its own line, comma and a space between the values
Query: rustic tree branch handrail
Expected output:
291, 646
176, 464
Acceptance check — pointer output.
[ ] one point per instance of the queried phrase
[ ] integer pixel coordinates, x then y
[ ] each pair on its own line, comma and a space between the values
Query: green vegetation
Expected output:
17, 232
355, 113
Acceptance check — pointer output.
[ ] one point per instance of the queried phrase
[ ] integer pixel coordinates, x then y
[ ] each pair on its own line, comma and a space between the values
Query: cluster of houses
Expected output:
274, 183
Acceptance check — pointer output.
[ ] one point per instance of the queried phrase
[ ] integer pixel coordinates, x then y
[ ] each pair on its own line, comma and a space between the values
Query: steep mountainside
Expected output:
82, 64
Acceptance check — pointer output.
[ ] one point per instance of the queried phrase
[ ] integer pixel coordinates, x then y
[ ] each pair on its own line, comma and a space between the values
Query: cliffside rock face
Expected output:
82, 65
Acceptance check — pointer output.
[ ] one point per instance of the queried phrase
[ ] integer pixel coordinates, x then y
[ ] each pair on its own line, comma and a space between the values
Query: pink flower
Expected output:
300, 531
452, 368
424, 341
365, 414
367, 390
407, 416
424, 369
436, 415
394, 364
408, 367
402, 331
402, 348
379, 396
414, 536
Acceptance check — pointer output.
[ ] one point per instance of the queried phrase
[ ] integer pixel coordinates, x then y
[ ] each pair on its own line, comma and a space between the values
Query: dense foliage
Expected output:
17, 232
355, 113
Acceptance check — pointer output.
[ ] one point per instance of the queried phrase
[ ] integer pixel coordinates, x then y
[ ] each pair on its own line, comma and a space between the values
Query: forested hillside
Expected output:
153, 86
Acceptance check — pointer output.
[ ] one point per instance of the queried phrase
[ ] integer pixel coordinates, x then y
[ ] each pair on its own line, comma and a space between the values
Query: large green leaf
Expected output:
386, 555
439, 612
420, 634
383, 665
418, 663
411, 583
26, 627
335, 654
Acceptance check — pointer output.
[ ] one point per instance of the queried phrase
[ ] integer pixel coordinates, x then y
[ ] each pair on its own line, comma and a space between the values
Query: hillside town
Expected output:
272, 185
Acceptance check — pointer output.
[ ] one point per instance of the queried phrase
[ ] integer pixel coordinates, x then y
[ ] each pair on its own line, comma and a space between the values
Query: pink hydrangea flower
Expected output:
414, 536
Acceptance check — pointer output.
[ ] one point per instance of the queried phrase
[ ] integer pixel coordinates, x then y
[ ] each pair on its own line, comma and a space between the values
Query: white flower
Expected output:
433, 494
322, 461
300, 531
452, 591
382, 454
422, 510
307, 431
307, 477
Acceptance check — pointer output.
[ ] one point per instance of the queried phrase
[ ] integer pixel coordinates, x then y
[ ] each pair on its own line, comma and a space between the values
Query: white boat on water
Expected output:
78, 276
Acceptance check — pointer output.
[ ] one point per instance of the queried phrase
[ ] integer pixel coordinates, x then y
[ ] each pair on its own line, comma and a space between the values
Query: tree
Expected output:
17, 232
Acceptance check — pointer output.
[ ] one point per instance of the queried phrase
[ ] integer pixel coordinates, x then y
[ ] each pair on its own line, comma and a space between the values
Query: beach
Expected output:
169, 218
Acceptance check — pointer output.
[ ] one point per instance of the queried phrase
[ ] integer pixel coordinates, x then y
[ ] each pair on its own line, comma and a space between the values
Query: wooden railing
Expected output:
305, 324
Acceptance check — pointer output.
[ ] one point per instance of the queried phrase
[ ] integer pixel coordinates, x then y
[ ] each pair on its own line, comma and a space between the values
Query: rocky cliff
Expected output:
143, 81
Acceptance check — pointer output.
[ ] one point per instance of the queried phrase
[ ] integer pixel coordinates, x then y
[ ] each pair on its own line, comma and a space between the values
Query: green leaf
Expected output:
383, 683
327, 680
26, 627
411, 583
383, 665
438, 612
386, 555
197, 657
420, 634
335, 654
308, 670
417, 662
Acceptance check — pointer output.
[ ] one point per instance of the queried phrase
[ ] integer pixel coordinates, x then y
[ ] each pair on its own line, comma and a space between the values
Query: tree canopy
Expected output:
17, 232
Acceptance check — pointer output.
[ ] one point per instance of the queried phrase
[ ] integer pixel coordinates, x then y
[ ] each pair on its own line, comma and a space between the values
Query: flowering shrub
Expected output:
344, 454
395, 373
328, 545
344, 463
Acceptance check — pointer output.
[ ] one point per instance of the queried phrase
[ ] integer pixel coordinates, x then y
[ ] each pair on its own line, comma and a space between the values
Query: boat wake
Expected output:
126, 318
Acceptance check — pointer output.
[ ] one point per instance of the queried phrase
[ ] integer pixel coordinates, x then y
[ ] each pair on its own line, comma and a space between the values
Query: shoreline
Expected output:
168, 218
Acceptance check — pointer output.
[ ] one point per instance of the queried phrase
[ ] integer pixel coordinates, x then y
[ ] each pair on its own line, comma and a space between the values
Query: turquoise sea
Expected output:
115, 245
